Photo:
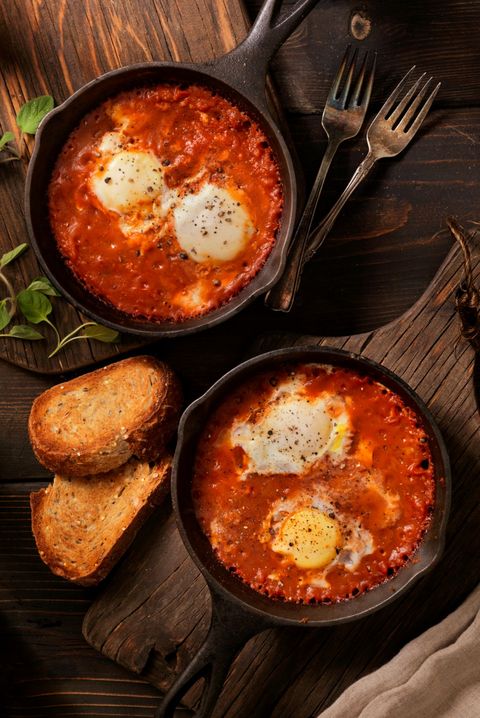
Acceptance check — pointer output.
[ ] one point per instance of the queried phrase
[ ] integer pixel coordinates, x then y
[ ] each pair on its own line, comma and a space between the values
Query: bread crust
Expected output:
92, 575
104, 449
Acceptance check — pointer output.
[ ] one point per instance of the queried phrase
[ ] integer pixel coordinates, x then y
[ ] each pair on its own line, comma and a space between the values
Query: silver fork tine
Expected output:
358, 85
398, 111
384, 140
412, 110
346, 89
390, 101
368, 89
423, 112
332, 95
341, 122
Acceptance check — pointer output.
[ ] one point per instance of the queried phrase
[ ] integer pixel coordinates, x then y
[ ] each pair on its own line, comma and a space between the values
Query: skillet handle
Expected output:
246, 66
229, 631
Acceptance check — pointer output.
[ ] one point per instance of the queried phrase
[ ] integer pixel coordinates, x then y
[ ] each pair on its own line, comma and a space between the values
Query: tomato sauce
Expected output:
197, 137
380, 485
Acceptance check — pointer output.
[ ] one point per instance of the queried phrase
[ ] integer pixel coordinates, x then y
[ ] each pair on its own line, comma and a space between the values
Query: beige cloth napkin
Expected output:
435, 676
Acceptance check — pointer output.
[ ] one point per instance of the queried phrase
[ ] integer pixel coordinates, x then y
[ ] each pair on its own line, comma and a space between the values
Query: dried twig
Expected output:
467, 297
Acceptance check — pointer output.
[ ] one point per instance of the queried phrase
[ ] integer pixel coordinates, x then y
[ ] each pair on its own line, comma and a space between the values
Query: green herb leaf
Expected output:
101, 334
6, 137
34, 306
23, 331
13, 254
43, 285
4, 313
32, 113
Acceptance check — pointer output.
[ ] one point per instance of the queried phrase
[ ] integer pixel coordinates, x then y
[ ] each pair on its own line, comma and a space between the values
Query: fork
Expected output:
342, 119
388, 134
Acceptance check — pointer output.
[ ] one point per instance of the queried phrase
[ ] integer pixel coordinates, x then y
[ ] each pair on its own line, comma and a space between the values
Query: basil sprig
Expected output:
43, 285
23, 331
35, 305
28, 119
13, 254
91, 330
32, 113
6, 137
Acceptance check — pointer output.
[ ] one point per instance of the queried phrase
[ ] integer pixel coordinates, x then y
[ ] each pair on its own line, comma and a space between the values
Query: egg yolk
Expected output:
309, 537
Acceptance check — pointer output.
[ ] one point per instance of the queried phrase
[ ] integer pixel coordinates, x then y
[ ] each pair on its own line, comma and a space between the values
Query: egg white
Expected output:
211, 224
194, 296
293, 431
127, 179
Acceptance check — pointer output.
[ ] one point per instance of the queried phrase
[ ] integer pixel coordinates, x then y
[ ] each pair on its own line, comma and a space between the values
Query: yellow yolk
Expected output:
309, 537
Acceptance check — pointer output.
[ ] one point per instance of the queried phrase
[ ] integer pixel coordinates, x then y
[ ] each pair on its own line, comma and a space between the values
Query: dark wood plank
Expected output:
152, 613
48, 669
435, 37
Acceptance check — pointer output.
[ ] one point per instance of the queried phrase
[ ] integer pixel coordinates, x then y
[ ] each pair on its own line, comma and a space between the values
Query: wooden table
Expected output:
379, 258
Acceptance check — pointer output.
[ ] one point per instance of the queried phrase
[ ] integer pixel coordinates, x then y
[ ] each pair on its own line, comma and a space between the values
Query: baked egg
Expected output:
293, 431
310, 532
313, 483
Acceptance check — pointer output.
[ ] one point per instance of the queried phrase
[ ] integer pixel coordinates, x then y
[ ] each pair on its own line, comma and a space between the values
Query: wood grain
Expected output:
436, 37
152, 614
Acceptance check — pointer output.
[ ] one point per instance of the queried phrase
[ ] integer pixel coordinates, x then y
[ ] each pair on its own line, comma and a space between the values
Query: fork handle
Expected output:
324, 228
281, 297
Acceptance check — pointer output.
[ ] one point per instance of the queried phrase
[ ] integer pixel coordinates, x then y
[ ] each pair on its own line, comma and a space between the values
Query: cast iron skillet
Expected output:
239, 612
239, 76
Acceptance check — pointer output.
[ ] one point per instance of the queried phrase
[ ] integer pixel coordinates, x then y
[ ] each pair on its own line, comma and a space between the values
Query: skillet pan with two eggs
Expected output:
239, 78
239, 611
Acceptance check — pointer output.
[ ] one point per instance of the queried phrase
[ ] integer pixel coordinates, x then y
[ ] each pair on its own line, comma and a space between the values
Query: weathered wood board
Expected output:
153, 612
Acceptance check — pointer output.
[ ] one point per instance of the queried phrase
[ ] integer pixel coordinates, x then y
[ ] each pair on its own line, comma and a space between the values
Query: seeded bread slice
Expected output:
83, 525
96, 422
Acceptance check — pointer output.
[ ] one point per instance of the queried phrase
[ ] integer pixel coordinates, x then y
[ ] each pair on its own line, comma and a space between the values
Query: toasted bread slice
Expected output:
83, 525
96, 422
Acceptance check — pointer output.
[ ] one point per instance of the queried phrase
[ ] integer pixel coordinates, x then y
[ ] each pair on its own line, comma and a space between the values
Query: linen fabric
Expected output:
437, 675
